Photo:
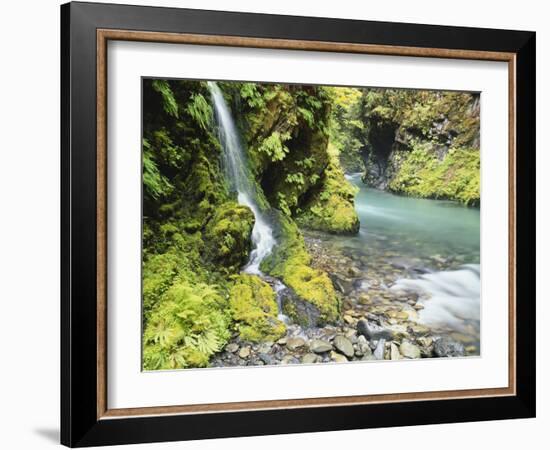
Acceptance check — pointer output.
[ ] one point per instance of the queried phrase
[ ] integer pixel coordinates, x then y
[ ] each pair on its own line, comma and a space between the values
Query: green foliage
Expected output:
155, 184
273, 146
252, 95
186, 327
332, 208
168, 101
200, 110
254, 308
456, 177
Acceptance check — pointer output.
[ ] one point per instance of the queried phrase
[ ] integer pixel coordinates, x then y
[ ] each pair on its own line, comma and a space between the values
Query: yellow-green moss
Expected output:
332, 208
456, 177
227, 236
253, 306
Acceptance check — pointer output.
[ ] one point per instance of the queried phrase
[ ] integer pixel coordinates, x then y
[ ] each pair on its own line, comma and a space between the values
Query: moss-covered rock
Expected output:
253, 307
331, 208
455, 177
290, 262
227, 235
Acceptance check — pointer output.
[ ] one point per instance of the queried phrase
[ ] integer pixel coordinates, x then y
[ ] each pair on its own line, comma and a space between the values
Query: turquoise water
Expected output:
416, 228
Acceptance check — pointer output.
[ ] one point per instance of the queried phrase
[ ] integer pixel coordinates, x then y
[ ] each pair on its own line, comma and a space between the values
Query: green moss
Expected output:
227, 235
332, 207
456, 177
290, 262
253, 306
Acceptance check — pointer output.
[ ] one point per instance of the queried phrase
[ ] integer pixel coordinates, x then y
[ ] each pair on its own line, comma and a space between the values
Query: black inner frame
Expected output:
79, 423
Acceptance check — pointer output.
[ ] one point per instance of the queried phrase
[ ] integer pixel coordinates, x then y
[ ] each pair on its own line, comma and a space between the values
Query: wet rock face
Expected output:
447, 347
301, 311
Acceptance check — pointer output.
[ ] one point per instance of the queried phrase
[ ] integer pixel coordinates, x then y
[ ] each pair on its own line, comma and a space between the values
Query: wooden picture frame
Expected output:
85, 417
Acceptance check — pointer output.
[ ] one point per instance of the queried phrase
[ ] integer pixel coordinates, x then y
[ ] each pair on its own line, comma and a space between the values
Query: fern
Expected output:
200, 110
169, 103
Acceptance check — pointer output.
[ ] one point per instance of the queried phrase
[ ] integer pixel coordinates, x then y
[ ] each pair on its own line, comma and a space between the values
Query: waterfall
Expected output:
236, 171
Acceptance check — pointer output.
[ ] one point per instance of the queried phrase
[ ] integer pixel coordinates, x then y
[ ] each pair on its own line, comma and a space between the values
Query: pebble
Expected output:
310, 358
231, 348
295, 343
409, 350
337, 357
379, 351
319, 346
244, 352
344, 346
394, 352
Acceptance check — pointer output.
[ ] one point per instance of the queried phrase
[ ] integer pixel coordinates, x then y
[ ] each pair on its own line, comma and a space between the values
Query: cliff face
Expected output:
422, 143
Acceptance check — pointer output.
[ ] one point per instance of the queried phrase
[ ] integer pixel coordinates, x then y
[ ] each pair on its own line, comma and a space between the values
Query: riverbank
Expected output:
404, 293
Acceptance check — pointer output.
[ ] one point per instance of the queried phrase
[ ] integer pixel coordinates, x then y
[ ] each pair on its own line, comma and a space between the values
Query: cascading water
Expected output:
236, 170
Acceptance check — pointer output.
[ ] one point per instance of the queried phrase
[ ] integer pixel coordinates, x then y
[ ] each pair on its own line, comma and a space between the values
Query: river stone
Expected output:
379, 350
394, 352
244, 352
295, 343
446, 347
425, 341
337, 357
265, 348
289, 359
310, 358
267, 359
319, 346
409, 350
341, 283
231, 348
373, 331
343, 345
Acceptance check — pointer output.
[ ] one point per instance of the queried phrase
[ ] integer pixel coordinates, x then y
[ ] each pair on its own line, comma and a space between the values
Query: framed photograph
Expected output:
277, 224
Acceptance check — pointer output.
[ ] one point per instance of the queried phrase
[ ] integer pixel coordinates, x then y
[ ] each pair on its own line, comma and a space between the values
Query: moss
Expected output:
332, 207
227, 235
253, 306
290, 262
456, 177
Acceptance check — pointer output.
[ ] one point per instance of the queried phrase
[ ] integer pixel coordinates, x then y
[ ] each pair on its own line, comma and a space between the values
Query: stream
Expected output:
409, 281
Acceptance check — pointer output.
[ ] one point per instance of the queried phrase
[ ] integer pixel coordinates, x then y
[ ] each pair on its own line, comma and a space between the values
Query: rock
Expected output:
295, 343
364, 299
409, 350
354, 272
289, 359
319, 346
446, 347
349, 320
373, 331
344, 346
471, 349
231, 348
394, 352
310, 358
267, 359
379, 350
419, 330
244, 352
337, 357
418, 306
341, 283
265, 348
282, 341
425, 341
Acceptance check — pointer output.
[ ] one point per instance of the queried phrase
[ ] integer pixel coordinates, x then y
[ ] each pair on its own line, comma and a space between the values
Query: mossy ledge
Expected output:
254, 309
